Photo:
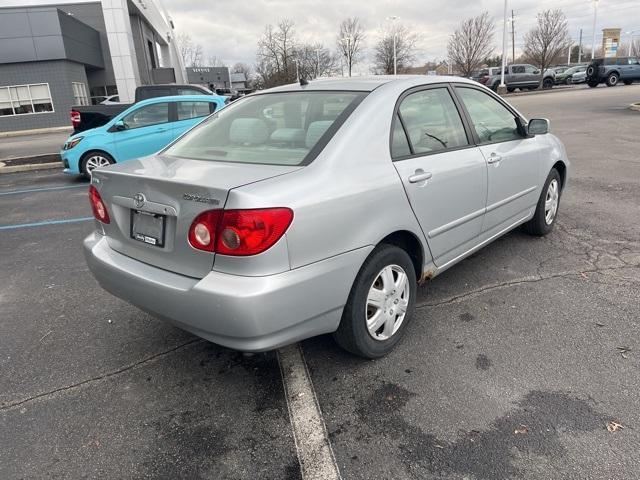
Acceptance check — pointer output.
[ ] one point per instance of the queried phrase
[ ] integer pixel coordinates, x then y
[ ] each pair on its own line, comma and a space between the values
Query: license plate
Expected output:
148, 227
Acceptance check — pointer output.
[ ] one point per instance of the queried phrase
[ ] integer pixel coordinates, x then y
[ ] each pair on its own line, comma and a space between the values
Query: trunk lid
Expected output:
172, 191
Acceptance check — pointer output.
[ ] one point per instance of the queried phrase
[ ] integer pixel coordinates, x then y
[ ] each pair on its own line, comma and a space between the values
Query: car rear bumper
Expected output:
239, 312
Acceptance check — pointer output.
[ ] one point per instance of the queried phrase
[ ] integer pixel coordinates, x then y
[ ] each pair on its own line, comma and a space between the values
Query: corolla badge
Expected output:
200, 198
139, 200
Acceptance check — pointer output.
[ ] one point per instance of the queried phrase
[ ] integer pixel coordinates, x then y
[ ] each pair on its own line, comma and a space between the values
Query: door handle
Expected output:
420, 176
494, 158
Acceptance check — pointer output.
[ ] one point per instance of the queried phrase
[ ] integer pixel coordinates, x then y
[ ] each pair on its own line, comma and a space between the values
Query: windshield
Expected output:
287, 128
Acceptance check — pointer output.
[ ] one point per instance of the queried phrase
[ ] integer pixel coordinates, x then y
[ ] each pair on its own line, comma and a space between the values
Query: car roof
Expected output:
367, 83
180, 98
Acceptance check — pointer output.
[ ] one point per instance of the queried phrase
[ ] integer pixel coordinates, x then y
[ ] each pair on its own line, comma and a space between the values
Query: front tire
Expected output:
94, 159
547, 83
380, 304
547, 208
628, 82
612, 79
593, 84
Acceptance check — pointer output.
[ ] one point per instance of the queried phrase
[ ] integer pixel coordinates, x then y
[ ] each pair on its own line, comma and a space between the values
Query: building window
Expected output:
80, 93
23, 99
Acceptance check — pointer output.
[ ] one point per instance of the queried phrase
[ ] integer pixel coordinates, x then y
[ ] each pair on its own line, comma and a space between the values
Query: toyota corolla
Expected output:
319, 208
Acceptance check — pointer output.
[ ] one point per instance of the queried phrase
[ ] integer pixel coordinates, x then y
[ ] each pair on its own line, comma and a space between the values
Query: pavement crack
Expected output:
104, 376
516, 282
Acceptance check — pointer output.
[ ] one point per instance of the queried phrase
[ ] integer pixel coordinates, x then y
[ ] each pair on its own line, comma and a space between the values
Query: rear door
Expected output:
147, 130
518, 76
189, 113
513, 166
443, 173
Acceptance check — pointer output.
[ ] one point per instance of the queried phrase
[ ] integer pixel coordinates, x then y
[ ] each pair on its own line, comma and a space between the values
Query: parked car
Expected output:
564, 78
487, 73
522, 76
142, 129
111, 100
317, 208
84, 117
579, 77
611, 70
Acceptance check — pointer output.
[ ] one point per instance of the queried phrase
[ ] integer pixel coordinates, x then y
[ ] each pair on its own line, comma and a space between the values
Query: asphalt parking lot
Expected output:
517, 361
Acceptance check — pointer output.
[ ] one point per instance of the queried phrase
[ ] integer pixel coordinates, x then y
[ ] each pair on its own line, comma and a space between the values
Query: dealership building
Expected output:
55, 55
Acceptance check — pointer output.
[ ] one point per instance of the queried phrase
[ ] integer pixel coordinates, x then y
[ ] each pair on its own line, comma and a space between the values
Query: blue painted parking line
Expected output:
44, 223
44, 189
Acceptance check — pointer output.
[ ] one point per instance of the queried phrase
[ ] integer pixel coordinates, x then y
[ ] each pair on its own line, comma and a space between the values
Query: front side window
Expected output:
492, 121
25, 99
432, 121
188, 110
147, 116
276, 128
518, 69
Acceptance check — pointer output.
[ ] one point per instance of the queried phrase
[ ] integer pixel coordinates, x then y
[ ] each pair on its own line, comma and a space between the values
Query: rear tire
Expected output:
547, 208
511, 89
612, 79
593, 84
547, 83
628, 82
94, 159
380, 304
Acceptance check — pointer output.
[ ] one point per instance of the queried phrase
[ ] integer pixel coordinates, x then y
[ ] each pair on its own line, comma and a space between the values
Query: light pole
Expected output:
595, 16
393, 19
318, 62
631, 32
502, 87
347, 54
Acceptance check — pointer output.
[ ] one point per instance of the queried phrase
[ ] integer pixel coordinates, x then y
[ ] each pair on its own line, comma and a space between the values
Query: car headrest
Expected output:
315, 131
288, 135
248, 131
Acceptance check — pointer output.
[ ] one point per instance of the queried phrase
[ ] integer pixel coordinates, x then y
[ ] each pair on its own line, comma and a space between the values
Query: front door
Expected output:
513, 166
147, 130
443, 173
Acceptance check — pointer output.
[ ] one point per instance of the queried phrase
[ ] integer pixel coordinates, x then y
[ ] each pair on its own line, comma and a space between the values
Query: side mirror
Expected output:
538, 126
119, 126
536, 72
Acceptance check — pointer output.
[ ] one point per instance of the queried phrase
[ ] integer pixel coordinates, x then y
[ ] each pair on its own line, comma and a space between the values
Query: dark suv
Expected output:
612, 70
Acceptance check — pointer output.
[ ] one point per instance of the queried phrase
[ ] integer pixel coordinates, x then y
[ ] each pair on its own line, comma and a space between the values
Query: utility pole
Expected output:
513, 38
393, 19
502, 87
580, 48
595, 16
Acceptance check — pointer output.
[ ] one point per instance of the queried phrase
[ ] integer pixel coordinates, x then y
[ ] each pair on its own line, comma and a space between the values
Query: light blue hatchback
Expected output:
143, 129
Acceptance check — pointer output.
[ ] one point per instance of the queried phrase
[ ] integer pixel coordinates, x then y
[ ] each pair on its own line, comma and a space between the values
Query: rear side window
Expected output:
189, 91
492, 121
188, 110
285, 128
147, 115
432, 121
517, 69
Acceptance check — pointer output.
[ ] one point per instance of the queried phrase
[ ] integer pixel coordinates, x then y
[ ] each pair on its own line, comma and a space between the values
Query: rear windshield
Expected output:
287, 128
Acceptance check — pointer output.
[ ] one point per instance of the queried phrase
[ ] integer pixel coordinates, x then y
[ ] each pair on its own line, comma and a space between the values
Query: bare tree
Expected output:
315, 61
246, 69
471, 44
276, 55
213, 61
351, 41
405, 42
190, 52
549, 39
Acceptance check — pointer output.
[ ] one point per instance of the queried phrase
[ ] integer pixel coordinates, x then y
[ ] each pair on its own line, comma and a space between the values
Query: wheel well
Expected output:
562, 170
410, 244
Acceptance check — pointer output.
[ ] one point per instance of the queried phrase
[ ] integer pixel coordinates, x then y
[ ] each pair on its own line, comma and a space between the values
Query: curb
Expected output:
635, 106
29, 167
36, 131
555, 89
31, 160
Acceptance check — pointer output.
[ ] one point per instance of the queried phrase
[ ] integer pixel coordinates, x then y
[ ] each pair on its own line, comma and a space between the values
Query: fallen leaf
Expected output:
614, 426
624, 351
522, 429
584, 275
600, 324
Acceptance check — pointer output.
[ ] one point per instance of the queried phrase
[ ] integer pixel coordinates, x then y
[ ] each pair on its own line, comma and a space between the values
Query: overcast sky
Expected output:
230, 29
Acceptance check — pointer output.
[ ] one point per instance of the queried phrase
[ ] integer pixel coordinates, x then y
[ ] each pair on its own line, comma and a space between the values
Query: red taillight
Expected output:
75, 118
202, 234
98, 206
239, 232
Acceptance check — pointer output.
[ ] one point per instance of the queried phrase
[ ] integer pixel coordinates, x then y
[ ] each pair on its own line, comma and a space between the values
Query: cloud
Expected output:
230, 29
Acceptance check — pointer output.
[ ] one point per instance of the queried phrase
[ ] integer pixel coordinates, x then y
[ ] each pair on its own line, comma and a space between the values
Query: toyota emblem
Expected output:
139, 199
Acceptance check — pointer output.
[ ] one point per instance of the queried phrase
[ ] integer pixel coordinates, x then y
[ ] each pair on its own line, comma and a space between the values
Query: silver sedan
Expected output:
319, 208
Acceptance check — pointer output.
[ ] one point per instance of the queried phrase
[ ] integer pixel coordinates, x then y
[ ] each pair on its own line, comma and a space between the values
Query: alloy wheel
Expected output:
387, 302
551, 202
95, 161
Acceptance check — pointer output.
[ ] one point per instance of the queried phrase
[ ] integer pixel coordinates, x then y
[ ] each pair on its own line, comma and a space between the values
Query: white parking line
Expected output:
315, 455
